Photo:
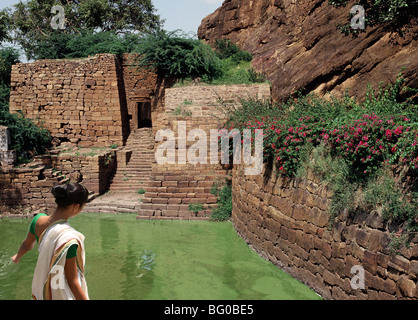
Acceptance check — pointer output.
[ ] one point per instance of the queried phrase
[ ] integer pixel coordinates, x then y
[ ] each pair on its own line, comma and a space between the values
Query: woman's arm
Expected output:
26, 245
70, 271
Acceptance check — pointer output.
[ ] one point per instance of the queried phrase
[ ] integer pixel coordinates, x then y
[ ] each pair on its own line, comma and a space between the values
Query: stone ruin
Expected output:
105, 102
7, 157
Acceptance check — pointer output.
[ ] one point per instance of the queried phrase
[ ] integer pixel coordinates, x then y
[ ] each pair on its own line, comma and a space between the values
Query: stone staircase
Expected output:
136, 174
131, 176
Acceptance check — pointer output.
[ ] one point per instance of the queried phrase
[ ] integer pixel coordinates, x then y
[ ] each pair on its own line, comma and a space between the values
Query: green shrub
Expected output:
224, 210
28, 139
195, 207
225, 48
59, 45
346, 143
177, 56
242, 55
141, 191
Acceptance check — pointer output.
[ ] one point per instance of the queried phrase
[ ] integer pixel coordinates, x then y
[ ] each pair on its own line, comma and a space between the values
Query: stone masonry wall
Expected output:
27, 187
94, 171
77, 100
287, 223
174, 186
140, 86
30, 186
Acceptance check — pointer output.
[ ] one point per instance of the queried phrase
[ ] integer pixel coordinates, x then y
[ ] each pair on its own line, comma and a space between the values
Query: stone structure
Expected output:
173, 187
89, 102
30, 186
7, 157
297, 45
288, 224
105, 100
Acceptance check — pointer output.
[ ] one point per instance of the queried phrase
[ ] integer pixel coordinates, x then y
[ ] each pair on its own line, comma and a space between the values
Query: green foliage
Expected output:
182, 58
242, 56
29, 21
345, 142
224, 210
235, 65
141, 191
8, 57
366, 134
225, 49
27, 138
177, 56
83, 44
382, 193
394, 15
4, 25
335, 173
195, 207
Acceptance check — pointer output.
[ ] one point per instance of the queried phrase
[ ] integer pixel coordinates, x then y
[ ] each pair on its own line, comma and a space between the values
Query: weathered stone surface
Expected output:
407, 286
305, 246
297, 45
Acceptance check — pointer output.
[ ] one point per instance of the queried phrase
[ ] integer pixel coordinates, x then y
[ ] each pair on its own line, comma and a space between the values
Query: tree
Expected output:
178, 56
8, 57
4, 25
30, 21
83, 44
27, 138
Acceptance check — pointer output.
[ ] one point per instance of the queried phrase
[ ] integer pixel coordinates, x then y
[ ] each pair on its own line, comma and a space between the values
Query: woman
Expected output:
59, 272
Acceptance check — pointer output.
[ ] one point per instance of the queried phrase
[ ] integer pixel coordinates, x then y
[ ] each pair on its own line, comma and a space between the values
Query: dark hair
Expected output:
71, 193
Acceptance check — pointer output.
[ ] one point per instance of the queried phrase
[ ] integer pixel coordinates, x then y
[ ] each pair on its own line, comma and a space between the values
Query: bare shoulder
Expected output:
41, 224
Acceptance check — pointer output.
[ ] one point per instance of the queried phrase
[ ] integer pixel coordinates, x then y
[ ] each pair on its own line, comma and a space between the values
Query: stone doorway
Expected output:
143, 109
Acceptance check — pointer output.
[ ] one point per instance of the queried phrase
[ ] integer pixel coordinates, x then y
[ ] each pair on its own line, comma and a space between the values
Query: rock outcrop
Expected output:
298, 46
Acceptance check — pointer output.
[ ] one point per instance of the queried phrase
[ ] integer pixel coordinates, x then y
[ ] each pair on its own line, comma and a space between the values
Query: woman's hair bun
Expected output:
67, 194
59, 190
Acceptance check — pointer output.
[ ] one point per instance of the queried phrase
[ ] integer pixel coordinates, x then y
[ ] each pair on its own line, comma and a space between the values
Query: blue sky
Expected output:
179, 14
185, 14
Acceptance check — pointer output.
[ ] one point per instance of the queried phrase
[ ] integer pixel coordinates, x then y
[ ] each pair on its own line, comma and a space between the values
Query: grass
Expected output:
232, 73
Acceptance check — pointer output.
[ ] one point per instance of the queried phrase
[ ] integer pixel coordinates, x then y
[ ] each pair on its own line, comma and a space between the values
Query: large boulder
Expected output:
298, 46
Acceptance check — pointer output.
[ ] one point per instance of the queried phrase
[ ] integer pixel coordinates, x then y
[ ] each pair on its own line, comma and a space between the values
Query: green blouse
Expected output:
72, 250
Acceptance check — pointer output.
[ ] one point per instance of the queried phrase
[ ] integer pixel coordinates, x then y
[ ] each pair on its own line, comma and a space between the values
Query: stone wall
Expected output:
140, 85
27, 187
30, 186
288, 224
174, 186
77, 100
95, 171
89, 102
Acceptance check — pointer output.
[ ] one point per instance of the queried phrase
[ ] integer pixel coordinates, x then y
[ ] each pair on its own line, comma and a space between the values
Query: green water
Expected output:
162, 260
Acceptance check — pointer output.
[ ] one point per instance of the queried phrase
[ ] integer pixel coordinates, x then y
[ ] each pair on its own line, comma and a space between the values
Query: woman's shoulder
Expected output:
41, 217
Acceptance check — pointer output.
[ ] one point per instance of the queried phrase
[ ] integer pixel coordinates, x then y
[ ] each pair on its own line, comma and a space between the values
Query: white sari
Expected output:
49, 282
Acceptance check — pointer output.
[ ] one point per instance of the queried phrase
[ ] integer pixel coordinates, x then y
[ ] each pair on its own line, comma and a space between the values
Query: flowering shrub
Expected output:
368, 142
363, 137
364, 143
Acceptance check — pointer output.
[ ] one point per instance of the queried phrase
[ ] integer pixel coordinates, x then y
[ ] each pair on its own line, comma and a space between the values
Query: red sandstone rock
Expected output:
297, 45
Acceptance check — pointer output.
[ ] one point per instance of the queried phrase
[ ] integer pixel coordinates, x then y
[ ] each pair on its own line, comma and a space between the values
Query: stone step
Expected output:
126, 183
133, 172
137, 173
